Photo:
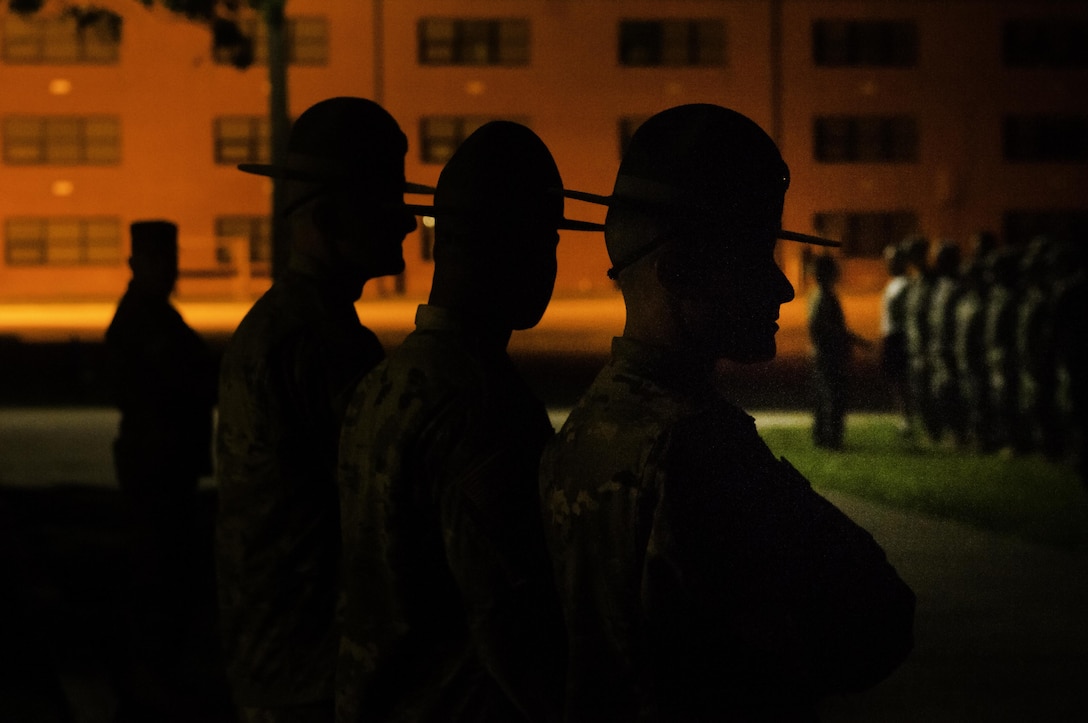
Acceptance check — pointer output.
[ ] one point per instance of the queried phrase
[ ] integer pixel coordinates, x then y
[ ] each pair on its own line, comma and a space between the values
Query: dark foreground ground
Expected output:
1000, 630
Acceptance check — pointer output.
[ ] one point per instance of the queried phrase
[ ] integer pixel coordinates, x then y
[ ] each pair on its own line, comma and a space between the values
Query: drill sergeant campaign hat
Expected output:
343, 141
502, 175
154, 237
697, 163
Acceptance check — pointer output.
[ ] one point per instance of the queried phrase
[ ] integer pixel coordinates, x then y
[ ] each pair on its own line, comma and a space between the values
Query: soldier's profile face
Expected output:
530, 275
732, 307
373, 226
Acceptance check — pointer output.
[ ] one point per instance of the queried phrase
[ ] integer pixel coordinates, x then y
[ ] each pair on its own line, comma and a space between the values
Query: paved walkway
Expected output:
1002, 625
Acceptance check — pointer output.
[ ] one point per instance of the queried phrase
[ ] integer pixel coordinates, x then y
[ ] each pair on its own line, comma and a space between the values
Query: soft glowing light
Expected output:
475, 87
60, 86
63, 188
428, 221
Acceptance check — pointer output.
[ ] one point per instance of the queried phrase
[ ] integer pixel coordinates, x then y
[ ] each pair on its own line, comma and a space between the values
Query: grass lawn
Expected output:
1026, 496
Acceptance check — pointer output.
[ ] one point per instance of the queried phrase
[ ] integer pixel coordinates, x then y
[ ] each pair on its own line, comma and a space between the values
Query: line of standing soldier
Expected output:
994, 344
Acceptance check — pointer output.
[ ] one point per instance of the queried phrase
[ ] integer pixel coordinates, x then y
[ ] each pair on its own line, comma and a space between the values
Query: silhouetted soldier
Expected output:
451, 612
916, 329
970, 354
1037, 421
1070, 351
165, 386
1000, 338
948, 414
287, 375
833, 344
893, 317
701, 577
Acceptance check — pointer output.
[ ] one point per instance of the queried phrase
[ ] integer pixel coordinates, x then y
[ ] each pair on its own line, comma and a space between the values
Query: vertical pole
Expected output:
279, 122
379, 52
775, 37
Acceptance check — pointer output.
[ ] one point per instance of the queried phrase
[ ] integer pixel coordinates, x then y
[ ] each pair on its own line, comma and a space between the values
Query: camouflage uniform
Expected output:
970, 355
286, 378
450, 608
944, 392
702, 578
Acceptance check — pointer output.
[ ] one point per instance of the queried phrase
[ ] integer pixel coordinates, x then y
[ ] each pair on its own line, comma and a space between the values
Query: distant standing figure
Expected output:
970, 355
948, 413
702, 578
833, 343
893, 317
165, 385
916, 328
287, 375
999, 334
450, 609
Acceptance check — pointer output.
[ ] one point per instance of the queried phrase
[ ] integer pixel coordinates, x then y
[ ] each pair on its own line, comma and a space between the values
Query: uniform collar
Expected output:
430, 318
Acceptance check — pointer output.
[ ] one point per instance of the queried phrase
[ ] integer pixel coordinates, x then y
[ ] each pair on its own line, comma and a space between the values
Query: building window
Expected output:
439, 136
627, 126
242, 139
1045, 138
94, 38
1063, 225
865, 139
1045, 43
649, 43
307, 41
464, 41
62, 140
253, 232
62, 241
864, 43
865, 234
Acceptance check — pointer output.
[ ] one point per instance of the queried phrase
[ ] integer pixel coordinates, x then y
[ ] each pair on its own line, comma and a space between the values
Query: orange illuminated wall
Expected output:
573, 93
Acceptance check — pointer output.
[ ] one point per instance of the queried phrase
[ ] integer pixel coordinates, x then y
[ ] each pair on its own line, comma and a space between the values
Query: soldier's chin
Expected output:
751, 353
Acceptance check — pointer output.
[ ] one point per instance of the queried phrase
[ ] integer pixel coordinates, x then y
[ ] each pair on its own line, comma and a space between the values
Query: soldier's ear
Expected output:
325, 217
672, 273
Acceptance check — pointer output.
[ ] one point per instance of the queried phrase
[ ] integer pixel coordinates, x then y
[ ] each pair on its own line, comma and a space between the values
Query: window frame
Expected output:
505, 42
45, 145
49, 242
44, 33
865, 43
671, 43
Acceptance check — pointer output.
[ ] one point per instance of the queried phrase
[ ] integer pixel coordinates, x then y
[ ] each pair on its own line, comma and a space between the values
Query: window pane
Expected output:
63, 141
436, 40
641, 42
22, 41
513, 42
710, 42
103, 138
308, 40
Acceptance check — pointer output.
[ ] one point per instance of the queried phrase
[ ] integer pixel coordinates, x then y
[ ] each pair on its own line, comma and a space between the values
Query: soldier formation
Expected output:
407, 538
995, 346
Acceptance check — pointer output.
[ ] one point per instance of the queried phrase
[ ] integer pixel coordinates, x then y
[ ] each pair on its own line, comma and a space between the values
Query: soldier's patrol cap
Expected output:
343, 141
154, 238
697, 162
502, 174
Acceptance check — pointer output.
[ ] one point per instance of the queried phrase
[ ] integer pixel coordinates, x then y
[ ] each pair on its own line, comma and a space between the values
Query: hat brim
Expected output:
614, 200
294, 174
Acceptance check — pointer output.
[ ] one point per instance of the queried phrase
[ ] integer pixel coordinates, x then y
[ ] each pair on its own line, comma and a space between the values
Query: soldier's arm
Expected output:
808, 592
495, 550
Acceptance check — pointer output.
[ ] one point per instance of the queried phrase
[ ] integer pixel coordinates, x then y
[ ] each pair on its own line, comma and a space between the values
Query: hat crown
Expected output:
153, 236
502, 172
706, 154
349, 131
